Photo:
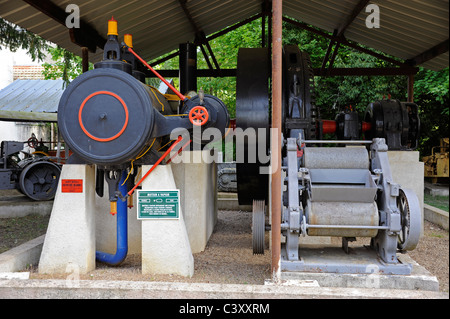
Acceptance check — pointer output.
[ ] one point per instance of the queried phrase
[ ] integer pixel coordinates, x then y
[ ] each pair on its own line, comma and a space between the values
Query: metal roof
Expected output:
31, 100
408, 27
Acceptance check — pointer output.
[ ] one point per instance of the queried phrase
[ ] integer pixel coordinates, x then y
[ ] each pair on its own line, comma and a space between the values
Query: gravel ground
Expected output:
432, 252
228, 257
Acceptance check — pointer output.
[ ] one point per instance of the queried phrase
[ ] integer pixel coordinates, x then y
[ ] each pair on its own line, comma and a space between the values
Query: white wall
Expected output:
8, 130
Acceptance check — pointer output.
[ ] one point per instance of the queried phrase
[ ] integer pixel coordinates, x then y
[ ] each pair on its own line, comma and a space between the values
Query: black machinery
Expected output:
36, 175
109, 116
342, 191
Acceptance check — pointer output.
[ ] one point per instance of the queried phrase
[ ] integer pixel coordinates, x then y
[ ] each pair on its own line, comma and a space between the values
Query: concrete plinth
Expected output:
197, 181
407, 171
70, 240
165, 242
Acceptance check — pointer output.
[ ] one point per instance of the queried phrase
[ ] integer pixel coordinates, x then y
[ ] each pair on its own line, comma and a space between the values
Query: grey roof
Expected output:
408, 27
31, 100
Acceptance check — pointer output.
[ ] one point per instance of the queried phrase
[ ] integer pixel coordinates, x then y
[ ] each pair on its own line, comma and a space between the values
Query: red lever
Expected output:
181, 96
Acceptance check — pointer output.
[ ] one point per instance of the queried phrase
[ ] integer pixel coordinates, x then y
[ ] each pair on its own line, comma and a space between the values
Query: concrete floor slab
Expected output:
97, 289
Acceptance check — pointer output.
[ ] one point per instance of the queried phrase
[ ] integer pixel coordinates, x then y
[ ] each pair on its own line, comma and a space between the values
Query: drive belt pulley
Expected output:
252, 112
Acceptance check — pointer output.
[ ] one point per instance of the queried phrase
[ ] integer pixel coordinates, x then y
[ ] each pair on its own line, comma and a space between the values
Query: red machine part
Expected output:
198, 115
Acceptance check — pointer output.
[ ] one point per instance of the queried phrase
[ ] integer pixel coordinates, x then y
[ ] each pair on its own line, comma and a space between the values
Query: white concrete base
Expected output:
70, 239
165, 243
197, 181
407, 171
81, 224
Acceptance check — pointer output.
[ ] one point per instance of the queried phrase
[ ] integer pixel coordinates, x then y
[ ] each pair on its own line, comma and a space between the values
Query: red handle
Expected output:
198, 115
181, 96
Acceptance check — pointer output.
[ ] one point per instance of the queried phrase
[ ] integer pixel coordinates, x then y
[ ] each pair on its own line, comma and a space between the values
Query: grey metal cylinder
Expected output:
336, 157
342, 213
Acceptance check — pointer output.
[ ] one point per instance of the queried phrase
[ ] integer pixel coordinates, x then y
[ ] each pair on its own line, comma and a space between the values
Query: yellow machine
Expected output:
436, 165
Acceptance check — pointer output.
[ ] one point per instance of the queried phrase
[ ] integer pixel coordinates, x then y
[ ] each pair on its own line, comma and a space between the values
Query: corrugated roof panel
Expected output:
327, 15
40, 96
408, 27
403, 33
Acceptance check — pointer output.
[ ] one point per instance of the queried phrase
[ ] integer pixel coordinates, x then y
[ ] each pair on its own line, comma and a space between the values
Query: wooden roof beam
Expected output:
84, 36
439, 49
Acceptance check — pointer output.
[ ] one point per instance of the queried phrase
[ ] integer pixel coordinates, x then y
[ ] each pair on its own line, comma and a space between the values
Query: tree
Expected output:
15, 37
431, 93
335, 93
67, 65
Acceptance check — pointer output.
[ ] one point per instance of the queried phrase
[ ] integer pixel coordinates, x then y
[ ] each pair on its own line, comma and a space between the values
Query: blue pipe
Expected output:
122, 230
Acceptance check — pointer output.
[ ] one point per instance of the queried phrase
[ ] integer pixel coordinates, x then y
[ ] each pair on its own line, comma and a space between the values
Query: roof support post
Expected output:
188, 67
411, 88
85, 59
265, 12
277, 62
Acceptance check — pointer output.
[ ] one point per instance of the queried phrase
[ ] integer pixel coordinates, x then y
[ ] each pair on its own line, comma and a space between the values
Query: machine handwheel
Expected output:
33, 142
39, 180
198, 115
408, 205
258, 227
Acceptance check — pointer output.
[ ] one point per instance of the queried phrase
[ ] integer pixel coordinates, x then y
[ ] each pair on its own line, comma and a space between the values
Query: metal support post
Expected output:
85, 59
411, 88
188, 67
277, 60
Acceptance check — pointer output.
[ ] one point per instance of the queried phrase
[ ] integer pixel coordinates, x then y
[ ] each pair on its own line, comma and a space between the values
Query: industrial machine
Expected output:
436, 164
109, 117
36, 175
346, 190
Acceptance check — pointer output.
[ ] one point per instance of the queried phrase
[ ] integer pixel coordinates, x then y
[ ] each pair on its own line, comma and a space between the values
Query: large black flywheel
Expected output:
252, 115
299, 113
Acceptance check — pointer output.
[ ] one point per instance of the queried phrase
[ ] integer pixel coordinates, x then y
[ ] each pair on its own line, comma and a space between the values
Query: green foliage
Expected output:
67, 66
431, 93
333, 94
225, 50
14, 38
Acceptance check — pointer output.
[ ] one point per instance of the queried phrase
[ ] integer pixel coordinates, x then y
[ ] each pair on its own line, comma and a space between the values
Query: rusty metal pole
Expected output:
277, 12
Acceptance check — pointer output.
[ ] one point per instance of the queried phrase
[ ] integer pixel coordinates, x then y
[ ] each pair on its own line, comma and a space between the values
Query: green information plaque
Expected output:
161, 204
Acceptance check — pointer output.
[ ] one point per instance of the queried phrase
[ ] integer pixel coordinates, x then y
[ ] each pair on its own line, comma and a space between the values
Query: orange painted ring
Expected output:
80, 120
198, 115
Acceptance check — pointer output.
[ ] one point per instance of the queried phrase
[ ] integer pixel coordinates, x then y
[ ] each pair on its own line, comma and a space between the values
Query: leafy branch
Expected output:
15, 37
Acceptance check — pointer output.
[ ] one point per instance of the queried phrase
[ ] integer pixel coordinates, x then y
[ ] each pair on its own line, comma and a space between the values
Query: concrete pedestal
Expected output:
197, 181
70, 240
165, 242
81, 224
407, 171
